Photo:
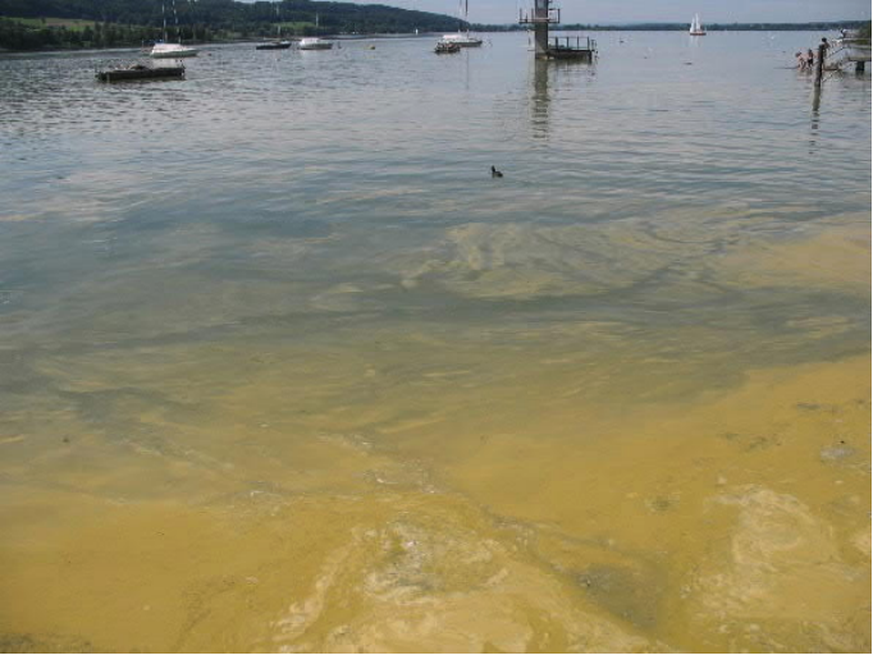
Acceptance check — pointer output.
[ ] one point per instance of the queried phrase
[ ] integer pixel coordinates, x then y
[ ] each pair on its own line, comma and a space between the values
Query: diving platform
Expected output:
540, 18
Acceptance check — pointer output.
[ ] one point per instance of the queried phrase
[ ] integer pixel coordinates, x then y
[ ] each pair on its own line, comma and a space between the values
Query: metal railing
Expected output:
530, 17
574, 43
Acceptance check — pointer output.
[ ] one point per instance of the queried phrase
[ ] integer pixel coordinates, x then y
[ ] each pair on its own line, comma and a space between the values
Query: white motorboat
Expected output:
463, 38
696, 27
314, 43
172, 51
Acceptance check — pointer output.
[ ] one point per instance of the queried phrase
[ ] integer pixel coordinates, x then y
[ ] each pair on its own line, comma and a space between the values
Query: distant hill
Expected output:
26, 24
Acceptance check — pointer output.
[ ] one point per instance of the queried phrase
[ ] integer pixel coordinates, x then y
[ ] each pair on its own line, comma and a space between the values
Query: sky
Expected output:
662, 11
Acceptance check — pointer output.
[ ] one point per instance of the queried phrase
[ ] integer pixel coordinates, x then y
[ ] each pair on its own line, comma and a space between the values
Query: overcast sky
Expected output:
611, 11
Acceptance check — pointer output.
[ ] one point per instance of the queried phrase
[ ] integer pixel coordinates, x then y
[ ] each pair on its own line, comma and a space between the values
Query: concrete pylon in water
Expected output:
543, 14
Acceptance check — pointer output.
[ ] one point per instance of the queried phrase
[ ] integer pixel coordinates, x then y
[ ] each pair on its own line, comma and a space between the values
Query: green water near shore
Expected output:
284, 369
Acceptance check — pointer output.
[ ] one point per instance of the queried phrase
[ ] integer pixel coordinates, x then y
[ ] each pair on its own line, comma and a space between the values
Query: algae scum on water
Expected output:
314, 389
391, 489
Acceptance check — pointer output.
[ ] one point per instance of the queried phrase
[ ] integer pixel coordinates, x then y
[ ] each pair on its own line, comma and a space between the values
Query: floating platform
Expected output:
273, 45
141, 72
582, 48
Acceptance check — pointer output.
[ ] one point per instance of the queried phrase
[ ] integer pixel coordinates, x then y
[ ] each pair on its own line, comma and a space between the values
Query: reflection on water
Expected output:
283, 368
540, 108
555, 77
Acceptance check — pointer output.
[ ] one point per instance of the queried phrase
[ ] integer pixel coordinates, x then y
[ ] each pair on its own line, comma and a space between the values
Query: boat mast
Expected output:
176, 19
164, 14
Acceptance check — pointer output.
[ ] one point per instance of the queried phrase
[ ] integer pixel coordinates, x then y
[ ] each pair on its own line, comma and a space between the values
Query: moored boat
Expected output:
314, 43
278, 43
273, 45
172, 51
140, 71
463, 38
446, 48
164, 49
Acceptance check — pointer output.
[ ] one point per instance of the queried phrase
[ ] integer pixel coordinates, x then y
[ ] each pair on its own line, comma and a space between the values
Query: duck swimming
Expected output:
495, 172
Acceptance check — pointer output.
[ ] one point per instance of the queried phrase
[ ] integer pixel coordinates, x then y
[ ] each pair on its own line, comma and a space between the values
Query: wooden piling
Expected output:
819, 63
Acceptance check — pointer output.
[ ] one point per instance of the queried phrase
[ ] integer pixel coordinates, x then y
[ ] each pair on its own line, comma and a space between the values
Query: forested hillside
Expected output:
26, 24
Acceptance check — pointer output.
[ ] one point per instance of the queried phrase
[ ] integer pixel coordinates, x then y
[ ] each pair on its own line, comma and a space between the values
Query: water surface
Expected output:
284, 368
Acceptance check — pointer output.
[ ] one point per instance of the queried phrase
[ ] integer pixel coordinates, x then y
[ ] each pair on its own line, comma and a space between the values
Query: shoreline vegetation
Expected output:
88, 24
28, 25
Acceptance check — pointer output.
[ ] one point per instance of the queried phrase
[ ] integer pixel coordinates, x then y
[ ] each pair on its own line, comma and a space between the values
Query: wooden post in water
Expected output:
819, 63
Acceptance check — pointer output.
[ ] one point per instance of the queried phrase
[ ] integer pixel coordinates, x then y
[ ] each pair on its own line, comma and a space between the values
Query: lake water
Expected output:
284, 369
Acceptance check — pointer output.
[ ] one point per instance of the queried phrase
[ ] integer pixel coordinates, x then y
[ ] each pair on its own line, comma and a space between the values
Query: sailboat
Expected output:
462, 38
164, 50
278, 43
313, 42
696, 27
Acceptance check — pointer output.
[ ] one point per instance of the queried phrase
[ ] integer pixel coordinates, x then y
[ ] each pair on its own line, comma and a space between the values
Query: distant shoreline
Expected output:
499, 29
683, 27
200, 44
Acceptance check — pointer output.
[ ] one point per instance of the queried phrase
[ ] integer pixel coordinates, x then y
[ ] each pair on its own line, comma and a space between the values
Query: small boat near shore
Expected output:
696, 28
140, 71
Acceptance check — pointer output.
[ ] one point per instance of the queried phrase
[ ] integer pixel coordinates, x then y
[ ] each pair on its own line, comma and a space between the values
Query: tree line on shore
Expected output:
49, 24
38, 24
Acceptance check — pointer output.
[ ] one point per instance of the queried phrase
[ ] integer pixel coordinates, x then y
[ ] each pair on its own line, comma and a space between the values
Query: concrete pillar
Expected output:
541, 28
